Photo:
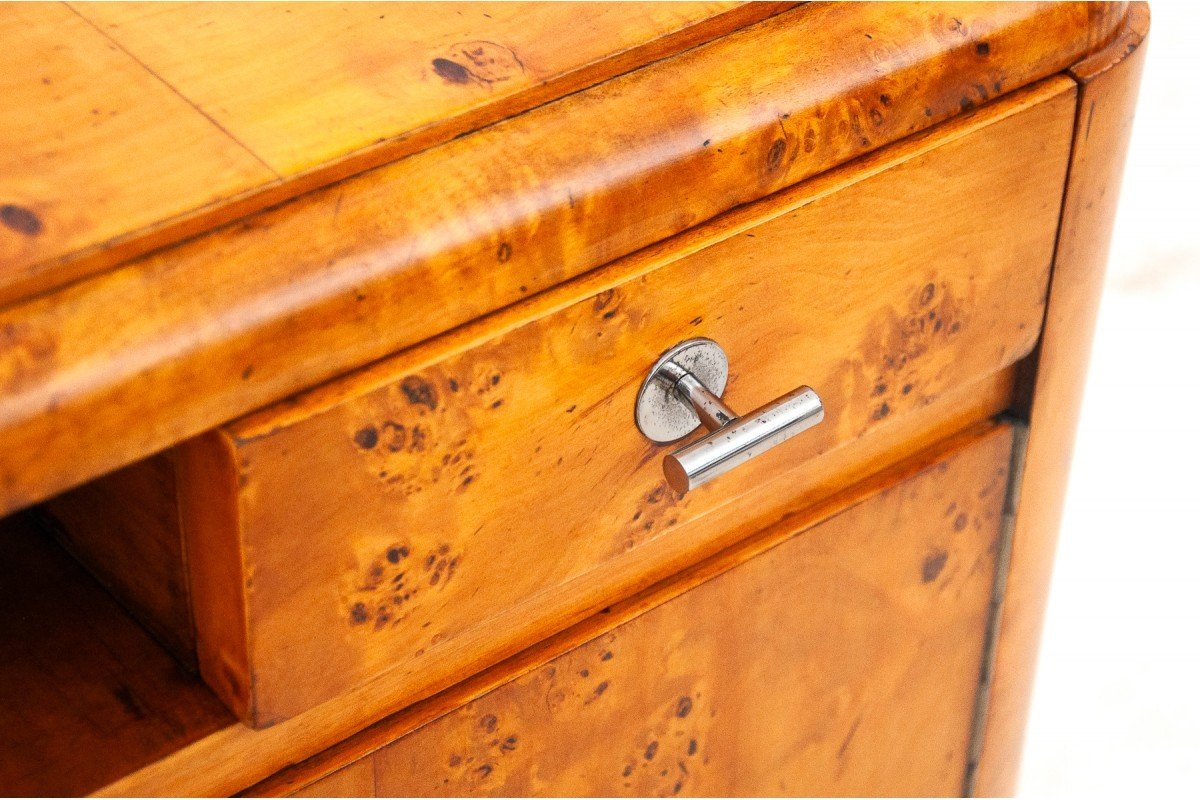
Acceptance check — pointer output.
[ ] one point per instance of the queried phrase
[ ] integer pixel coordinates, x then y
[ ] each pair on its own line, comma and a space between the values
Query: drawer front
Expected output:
464, 499
843, 661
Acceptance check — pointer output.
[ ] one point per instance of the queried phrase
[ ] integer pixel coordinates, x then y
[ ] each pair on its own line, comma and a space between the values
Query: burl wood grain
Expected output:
1107, 95
237, 756
174, 343
404, 526
139, 124
86, 695
843, 661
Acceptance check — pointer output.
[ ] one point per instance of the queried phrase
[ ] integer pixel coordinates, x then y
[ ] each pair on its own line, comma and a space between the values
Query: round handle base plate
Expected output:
660, 414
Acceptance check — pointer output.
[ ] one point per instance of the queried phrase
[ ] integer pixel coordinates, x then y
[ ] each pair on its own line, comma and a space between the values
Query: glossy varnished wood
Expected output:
390, 77
92, 146
174, 118
171, 344
236, 756
465, 251
86, 695
881, 294
841, 661
1107, 95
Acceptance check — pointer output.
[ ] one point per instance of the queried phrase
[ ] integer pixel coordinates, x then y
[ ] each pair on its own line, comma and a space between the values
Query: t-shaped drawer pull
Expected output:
683, 391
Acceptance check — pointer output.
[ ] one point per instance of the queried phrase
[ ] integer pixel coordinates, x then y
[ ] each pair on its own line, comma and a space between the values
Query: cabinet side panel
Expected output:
208, 504
1108, 92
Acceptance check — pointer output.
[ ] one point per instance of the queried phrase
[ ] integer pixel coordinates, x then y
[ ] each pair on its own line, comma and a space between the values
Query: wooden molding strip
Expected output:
1008, 522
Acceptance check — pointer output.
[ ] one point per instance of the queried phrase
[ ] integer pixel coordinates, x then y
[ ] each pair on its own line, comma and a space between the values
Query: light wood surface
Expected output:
86, 696
230, 759
1108, 91
142, 123
841, 661
882, 295
237, 756
112, 369
93, 146
404, 75
512, 237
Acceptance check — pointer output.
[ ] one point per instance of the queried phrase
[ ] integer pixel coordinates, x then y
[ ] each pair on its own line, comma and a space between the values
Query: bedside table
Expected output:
541, 399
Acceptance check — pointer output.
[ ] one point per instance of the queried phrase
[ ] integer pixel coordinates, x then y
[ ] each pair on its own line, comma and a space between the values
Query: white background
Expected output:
1116, 709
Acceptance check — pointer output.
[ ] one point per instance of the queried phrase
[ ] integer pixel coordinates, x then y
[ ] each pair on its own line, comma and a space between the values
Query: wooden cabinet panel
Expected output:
457, 498
843, 661
124, 527
1108, 95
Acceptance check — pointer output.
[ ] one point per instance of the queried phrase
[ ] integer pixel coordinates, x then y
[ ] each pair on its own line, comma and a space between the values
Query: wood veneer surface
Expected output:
131, 125
882, 295
841, 661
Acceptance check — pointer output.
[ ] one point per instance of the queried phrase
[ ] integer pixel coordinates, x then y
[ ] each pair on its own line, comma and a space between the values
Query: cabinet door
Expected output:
844, 660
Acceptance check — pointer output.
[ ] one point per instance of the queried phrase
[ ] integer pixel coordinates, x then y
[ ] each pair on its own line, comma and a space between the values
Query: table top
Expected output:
132, 125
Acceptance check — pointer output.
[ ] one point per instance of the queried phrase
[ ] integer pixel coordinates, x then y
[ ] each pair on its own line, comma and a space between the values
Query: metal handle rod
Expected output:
708, 407
741, 438
684, 388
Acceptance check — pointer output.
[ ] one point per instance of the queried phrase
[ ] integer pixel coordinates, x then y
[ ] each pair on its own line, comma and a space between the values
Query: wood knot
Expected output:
20, 219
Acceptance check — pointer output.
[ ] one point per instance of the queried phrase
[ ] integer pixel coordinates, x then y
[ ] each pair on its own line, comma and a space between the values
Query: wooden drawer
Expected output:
463, 499
835, 658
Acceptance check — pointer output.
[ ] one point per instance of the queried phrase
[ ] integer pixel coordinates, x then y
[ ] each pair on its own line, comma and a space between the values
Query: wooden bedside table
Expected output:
372, 379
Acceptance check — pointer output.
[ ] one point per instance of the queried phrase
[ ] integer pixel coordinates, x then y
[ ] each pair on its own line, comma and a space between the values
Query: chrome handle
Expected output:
683, 391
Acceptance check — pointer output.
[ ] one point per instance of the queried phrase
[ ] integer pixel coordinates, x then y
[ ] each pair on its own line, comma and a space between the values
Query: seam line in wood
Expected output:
266, 196
1008, 524
174, 91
